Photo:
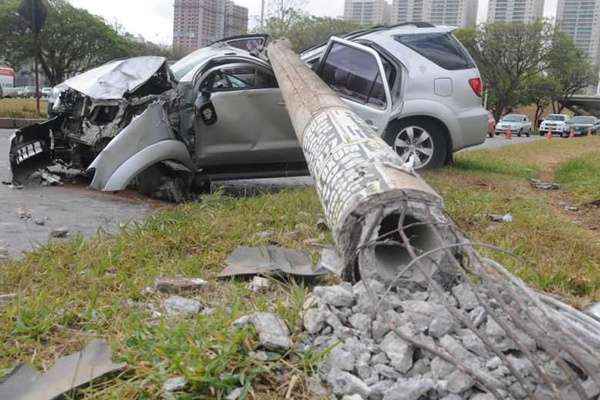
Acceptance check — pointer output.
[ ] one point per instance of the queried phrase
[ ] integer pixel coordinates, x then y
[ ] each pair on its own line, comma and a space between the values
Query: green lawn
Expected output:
21, 108
69, 292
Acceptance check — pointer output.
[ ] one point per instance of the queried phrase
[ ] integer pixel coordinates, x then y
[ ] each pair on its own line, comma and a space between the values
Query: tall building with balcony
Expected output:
580, 19
461, 13
515, 10
197, 23
367, 12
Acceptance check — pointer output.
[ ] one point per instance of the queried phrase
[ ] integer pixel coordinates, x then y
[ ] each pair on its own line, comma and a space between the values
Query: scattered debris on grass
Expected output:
259, 284
179, 285
59, 233
68, 373
176, 384
273, 333
181, 306
541, 185
269, 260
501, 218
24, 213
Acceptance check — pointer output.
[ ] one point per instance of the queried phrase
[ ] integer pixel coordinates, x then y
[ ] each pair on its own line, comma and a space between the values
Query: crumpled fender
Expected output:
146, 141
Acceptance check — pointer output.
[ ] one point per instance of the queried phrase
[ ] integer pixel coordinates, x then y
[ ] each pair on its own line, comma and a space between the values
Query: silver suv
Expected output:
219, 113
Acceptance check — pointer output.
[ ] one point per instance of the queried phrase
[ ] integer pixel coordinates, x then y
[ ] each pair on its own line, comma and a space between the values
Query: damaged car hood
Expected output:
113, 80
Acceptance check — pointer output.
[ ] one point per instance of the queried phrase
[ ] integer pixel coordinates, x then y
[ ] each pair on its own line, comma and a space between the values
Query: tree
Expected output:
508, 56
307, 30
570, 69
284, 11
72, 40
541, 89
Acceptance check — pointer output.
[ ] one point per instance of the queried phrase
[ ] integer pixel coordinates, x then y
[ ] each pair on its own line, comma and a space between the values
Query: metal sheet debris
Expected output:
68, 373
269, 260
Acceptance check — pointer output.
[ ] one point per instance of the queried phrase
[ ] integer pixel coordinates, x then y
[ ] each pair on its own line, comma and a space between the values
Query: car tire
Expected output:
162, 183
520, 133
436, 138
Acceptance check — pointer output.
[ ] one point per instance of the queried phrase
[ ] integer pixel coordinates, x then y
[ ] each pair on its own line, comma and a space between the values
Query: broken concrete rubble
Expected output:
541, 185
67, 374
273, 332
181, 306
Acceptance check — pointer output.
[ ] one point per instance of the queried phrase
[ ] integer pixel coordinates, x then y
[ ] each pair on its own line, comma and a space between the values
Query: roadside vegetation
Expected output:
70, 292
21, 108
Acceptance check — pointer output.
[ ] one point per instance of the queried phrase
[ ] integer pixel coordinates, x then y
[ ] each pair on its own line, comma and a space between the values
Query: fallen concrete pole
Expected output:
364, 189
388, 224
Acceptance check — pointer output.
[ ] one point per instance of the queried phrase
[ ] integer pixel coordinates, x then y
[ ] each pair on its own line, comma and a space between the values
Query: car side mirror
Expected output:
205, 109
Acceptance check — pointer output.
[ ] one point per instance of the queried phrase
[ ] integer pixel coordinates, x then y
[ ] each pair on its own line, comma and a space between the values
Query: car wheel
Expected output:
162, 183
520, 133
423, 139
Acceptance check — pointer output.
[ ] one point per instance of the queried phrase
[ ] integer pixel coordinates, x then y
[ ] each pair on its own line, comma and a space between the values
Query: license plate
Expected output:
28, 151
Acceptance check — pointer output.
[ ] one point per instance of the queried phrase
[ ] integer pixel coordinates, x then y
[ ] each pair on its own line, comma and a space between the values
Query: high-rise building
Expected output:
580, 19
515, 10
367, 12
197, 23
461, 13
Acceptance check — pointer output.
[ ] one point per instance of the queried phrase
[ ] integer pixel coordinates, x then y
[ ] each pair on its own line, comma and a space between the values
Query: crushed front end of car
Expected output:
92, 109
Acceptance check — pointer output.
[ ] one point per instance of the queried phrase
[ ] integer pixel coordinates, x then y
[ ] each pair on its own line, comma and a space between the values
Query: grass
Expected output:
21, 108
72, 291
581, 177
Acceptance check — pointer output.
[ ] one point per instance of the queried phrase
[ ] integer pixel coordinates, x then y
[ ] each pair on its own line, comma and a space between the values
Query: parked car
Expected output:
582, 125
46, 92
557, 123
518, 124
228, 119
491, 125
10, 92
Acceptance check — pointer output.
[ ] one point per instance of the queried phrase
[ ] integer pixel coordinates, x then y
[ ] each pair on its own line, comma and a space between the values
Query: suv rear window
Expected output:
440, 48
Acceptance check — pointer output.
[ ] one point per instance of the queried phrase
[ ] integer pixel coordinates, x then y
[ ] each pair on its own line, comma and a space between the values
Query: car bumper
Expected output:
472, 129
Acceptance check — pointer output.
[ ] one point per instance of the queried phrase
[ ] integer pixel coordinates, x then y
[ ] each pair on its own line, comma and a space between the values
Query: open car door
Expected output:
359, 75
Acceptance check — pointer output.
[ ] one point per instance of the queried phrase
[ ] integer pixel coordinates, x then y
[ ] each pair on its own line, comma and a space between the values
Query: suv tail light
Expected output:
477, 86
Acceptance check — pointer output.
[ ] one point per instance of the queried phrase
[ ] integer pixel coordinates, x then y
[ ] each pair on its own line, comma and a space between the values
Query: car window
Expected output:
248, 44
240, 78
512, 118
354, 74
440, 48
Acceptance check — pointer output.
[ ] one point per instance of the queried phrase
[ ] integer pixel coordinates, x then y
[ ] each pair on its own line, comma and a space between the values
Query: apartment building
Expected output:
580, 19
197, 23
515, 10
461, 13
367, 12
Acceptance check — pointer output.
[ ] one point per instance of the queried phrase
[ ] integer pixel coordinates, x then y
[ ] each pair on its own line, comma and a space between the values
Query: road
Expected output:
76, 208
84, 211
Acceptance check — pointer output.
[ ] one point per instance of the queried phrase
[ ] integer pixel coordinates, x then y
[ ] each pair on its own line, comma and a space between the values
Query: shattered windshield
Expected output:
184, 66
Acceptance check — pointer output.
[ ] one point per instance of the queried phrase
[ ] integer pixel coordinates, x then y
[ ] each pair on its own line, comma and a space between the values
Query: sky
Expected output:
153, 19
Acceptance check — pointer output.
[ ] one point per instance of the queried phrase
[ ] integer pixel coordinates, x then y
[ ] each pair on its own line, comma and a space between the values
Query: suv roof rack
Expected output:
418, 24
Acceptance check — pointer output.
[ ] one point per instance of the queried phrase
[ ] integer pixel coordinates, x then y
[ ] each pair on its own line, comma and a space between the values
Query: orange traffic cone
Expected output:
509, 134
572, 134
549, 135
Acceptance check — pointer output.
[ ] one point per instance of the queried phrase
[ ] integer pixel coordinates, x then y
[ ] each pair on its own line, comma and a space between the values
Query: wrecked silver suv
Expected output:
218, 113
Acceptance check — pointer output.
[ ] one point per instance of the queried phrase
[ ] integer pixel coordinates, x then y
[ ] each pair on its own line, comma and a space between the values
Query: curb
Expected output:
15, 123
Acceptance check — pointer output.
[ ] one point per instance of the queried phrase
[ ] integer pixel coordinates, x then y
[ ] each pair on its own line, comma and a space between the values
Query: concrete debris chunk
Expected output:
341, 359
337, 296
179, 285
67, 374
272, 331
459, 382
398, 351
330, 261
59, 233
259, 284
235, 394
507, 218
344, 383
175, 384
353, 397
314, 320
181, 306
269, 260
410, 389
465, 296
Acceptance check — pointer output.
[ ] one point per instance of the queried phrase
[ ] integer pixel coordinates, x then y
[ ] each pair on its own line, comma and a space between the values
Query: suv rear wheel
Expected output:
423, 139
